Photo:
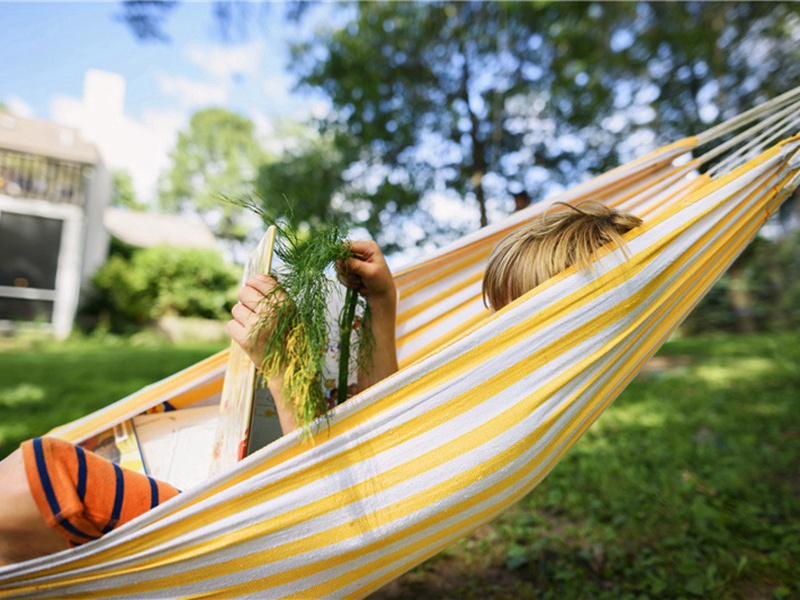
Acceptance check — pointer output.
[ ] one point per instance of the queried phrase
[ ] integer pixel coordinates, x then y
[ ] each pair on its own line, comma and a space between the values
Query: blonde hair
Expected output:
530, 255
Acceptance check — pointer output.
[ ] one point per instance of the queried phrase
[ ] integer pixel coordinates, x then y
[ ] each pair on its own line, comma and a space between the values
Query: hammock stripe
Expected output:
482, 411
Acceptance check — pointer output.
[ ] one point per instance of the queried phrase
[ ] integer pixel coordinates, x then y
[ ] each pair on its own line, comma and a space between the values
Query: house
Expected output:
54, 189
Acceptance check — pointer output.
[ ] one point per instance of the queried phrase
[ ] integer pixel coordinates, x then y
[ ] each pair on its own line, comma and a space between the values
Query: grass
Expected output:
45, 384
688, 486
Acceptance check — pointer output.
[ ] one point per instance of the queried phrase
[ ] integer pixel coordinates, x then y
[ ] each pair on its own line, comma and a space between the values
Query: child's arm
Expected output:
369, 274
246, 316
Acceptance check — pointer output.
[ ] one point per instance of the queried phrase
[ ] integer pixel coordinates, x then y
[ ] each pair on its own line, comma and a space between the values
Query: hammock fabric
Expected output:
482, 410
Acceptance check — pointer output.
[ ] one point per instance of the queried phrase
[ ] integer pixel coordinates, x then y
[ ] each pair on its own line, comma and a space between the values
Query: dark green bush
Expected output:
154, 282
774, 275
767, 279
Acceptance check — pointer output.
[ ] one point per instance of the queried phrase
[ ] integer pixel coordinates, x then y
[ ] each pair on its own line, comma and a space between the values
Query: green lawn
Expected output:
50, 384
688, 486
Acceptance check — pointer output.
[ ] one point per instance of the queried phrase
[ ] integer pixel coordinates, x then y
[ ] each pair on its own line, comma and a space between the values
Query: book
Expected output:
239, 390
120, 445
176, 446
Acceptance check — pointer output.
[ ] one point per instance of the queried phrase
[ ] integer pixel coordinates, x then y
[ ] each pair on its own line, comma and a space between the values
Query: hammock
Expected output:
482, 410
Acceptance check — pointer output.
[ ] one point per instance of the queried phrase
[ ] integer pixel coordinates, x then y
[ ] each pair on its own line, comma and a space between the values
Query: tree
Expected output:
489, 101
311, 171
215, 160
124, 195
483, 101
147, 18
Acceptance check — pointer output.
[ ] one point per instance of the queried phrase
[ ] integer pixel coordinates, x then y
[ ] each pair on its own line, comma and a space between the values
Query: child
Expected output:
533, 254
518, 263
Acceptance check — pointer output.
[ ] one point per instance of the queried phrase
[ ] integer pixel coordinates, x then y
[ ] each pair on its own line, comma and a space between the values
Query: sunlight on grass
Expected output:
734, 370
19, 395
641, 415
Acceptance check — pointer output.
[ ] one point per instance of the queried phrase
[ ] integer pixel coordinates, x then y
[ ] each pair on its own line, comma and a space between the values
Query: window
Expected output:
40, 246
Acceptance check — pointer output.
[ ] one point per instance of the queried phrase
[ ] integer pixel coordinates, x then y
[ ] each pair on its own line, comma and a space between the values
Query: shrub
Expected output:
768, 274
155, 282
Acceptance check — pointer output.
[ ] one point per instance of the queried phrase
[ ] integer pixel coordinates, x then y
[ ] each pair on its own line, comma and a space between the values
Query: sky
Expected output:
50, 49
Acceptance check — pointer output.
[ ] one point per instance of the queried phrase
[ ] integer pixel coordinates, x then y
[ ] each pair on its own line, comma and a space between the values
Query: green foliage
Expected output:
295, 328
300, 187
132, 292
124, 195
480, 100
217, 157
767, 274
774, 273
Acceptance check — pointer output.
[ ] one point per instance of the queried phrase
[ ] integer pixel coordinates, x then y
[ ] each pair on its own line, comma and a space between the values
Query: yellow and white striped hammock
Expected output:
482, 410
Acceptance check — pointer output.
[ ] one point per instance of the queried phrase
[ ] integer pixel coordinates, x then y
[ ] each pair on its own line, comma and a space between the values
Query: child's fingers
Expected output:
237, 332
241, 335
348, 271
257, 288
250, 297
261, 283
365, 250
244, 315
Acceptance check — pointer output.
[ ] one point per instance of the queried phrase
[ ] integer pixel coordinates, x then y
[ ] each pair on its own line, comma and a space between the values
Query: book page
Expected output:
177, 445
119, 445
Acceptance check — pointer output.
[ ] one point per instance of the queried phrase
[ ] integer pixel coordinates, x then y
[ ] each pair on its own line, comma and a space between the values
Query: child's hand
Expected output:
368, 273
256, 308
256, 303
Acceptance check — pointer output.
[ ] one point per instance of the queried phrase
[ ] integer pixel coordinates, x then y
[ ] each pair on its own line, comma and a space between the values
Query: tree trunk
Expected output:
478, 149
477, 185
739, 296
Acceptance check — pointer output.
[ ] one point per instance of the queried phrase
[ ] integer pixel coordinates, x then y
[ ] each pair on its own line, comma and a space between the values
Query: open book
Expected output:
120, 445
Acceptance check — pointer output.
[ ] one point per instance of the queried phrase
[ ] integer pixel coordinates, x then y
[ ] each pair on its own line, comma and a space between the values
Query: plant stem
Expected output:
345, 328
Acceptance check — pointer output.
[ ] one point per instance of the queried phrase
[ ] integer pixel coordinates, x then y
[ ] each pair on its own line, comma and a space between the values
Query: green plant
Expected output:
767, 284
153, 282
294, 328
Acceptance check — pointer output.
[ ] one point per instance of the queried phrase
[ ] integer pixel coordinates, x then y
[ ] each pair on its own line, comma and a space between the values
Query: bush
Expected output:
154, 282
767, 279
775, 279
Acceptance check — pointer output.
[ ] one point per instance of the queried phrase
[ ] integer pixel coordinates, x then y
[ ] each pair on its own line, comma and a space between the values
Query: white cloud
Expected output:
191, 93
223, 61
140, 147
276, 93
19, 107
280, 100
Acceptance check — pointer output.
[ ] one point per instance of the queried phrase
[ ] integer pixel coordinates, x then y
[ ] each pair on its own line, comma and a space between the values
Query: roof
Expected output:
45, 138
145, 230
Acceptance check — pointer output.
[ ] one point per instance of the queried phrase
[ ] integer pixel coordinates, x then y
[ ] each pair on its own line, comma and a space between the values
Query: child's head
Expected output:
534, 253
